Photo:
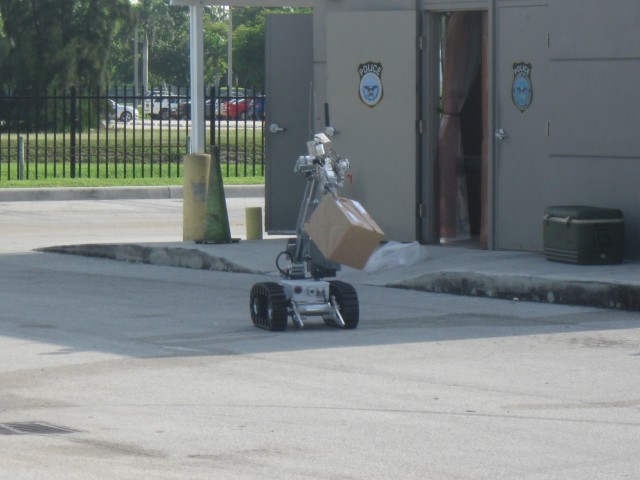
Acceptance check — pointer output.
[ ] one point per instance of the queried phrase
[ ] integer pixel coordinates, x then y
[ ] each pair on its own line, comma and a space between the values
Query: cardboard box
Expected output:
343, 231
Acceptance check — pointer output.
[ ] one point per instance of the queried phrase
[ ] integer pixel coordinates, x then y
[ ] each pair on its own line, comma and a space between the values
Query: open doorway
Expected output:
462, 154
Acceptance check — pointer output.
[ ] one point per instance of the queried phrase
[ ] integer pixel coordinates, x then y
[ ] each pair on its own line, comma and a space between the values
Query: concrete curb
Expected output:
528, 288
532, 288
160, 256
116, 193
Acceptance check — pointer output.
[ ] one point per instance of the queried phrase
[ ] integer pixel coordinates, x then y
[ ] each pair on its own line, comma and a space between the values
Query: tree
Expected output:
5, 45
248, 54
166, 30
58, 42
215, 50
249, 42
120, 65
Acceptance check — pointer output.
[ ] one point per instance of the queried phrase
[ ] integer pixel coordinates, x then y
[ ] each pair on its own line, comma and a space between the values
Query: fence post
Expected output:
20, 157
212, 118
74, 127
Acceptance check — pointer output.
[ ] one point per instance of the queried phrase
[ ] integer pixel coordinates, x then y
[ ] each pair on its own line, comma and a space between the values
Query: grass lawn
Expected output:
145, 157
117, 182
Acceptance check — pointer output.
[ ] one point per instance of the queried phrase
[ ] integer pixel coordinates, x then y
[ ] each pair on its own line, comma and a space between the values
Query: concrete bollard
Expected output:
196, 177
253, 222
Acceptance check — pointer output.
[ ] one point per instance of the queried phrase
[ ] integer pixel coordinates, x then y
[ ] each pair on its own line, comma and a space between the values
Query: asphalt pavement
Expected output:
112, 369
511, 275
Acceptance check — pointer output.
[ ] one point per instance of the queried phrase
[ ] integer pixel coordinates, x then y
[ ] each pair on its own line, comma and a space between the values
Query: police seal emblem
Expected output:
370, 83
522, 88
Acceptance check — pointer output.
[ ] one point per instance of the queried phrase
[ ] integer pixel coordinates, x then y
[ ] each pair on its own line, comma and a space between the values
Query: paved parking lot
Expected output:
156, 372
29, 225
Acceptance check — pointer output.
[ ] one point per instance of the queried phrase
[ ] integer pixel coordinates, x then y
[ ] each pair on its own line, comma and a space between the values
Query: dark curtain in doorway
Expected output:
484, 185
462, 59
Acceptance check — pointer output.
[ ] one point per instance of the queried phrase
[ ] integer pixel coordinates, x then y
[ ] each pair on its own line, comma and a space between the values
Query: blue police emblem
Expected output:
522, 88
370, 83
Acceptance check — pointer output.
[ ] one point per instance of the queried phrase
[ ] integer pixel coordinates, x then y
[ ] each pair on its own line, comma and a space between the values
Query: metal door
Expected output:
521, 124
289, 94
377, 134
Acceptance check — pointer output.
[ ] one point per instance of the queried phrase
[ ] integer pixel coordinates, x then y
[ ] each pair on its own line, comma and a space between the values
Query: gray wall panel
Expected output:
595, 29
595, 109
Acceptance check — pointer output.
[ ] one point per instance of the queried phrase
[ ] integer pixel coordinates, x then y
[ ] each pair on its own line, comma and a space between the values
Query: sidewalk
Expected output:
517, 276
114, 193
522, 276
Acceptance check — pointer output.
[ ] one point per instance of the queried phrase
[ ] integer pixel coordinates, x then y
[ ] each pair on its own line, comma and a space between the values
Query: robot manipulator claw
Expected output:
341, 167
306, 164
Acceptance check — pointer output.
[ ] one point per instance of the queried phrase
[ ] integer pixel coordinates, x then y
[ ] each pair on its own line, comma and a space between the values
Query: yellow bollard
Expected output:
194, 209
253, 221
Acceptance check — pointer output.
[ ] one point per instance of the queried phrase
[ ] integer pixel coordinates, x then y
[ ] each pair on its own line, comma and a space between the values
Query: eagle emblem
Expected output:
522, 88
370, 89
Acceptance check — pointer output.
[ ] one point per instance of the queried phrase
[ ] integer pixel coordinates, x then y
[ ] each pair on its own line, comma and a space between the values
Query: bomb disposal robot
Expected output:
302, 293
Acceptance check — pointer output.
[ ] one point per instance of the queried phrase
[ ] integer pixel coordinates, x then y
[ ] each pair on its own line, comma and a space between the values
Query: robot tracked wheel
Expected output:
270, 307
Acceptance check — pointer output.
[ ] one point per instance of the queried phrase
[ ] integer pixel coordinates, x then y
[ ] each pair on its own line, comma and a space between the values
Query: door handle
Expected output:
275, 128
501, 134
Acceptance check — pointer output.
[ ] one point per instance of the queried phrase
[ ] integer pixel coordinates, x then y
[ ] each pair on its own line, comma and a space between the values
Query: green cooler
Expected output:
583, 235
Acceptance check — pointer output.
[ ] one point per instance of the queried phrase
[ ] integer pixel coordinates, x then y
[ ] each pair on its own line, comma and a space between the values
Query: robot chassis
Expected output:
302, 293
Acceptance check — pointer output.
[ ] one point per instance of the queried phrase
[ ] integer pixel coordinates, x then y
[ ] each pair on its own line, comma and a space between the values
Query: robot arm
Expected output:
325, 172
323, 165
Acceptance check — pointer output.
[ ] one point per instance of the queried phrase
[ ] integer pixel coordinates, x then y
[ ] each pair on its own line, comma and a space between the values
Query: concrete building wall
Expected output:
594, 142
585, 80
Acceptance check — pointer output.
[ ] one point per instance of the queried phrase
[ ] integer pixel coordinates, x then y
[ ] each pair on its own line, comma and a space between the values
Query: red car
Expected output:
236, 108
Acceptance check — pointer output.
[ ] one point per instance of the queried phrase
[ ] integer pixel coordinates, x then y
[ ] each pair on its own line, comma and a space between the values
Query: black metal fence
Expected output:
112, 133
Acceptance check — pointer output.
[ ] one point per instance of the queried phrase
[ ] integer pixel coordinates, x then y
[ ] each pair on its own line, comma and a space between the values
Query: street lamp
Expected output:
196, 48
230, 53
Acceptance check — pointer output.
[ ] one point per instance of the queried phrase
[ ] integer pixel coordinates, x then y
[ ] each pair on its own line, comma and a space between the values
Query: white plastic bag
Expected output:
396, 254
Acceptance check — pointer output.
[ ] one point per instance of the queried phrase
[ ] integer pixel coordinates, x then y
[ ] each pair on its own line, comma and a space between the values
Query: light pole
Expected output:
230, 53
196, 46
136, 81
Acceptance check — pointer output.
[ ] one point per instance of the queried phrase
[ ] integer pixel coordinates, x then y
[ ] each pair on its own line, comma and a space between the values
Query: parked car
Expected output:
183, 111
124, 113
239, 99
237, 103
236, 108
256, 111
161, 103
